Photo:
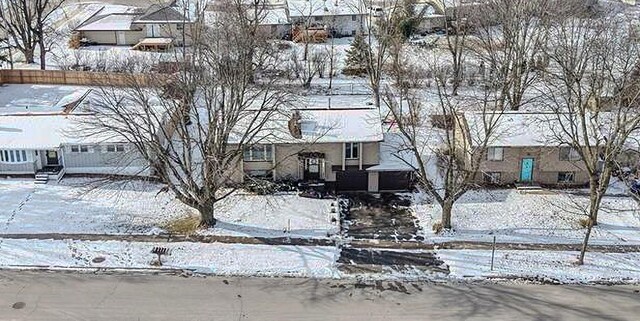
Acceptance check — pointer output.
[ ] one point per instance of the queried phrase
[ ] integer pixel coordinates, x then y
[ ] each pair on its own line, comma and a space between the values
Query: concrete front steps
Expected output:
42, 178
49, 173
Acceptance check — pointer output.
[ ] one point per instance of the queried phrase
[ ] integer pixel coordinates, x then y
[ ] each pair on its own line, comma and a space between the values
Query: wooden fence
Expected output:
79, 78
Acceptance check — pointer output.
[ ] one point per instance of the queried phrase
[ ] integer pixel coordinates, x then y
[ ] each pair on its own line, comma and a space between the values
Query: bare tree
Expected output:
509, 38
28, 24
307, 11
381, 29
456, 26
6, 51
447, 153
192, 130
592, 88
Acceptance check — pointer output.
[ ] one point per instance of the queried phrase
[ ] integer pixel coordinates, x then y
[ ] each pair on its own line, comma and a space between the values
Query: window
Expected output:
495, 153
351, 151
115, 148
353, 17
565, 177
492, 177
258, 153
260, 174
569, 154
179, 26
317, 18
14, 156
79, 148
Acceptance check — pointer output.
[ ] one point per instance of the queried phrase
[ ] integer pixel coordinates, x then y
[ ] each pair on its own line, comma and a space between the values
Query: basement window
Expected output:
492, 177
566, 177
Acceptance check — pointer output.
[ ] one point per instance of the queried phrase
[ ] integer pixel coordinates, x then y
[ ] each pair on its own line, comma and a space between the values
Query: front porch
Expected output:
50, 166
30, 161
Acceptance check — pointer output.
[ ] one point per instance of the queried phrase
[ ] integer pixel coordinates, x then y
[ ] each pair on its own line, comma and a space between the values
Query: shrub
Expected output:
437, 227
584, 222
183, 226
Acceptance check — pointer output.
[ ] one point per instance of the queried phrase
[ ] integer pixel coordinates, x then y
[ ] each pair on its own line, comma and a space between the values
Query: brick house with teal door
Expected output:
523, 153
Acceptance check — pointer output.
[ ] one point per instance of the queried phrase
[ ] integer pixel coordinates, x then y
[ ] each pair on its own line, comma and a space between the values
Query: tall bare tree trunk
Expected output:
585, 242
207, 217
43, 56
376, 94
29, 56
447, 207
594, 199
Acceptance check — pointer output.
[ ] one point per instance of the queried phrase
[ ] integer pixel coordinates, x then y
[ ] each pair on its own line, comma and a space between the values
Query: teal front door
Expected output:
526, 170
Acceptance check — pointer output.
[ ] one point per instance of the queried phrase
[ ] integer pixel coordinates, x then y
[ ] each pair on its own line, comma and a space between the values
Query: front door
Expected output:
526, 170
311, 169
52, 158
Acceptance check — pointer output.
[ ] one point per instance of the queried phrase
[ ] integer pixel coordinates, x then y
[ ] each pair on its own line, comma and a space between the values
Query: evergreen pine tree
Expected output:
357, 56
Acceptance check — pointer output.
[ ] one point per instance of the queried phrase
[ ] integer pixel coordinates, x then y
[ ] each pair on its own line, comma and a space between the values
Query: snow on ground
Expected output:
270, 216
76, 205
539, 218
72, 207
210, 258
599, 267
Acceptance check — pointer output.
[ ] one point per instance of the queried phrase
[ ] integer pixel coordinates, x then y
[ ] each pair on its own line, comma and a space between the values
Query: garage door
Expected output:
352, 180
394, 181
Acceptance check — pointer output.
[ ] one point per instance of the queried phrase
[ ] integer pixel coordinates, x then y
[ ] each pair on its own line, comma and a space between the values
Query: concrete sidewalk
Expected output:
403, 245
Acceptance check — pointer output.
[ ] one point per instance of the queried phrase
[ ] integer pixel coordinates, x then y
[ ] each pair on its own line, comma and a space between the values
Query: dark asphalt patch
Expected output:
374, 260
387, 217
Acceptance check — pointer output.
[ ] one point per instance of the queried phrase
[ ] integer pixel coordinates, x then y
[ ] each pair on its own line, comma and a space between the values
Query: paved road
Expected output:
63, 296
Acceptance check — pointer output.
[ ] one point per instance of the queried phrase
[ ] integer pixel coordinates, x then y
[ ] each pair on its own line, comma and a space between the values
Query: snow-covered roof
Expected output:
312, 8
344, 125
46, 132
274, 16
320, 126
516, 129
181, 11
394, 156
113, 22
38, 99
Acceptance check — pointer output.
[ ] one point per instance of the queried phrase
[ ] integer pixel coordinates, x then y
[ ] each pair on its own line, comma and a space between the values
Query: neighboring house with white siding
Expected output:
341, 17
43, 132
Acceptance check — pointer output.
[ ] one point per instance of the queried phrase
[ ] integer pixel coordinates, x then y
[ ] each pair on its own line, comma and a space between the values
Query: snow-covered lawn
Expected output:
140, 208
544, 218
211, 258
71, 207
599, 267
270, 216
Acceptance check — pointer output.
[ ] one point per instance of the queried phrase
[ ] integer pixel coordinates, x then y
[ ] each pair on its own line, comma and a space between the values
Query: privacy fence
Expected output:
79, 78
